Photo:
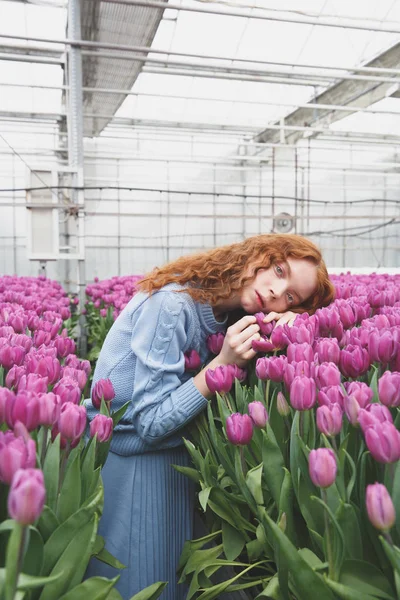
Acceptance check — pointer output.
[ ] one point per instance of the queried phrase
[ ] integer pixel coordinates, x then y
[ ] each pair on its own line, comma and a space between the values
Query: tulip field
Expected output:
296, 460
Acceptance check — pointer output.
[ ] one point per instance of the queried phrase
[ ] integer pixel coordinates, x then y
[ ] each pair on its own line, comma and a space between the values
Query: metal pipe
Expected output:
319, 21
30, 58
230, 59
310, 105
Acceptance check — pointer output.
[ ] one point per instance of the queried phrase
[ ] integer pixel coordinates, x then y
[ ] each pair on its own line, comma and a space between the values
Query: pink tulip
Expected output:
6, 397
351, 408
265, 328
23, 407
380, 507
101, 426
64, 346
322, 467
360, 391
258, 414
192, 360
14, 375
303, 393
262, 345
237, 372
68, 390
327, 374
381, 346
300, 352
329, 420
271, 368
72, 421
331, 395
27, 496
33, 383
77, 374
389, 388
239, 429
103, 388
278, 338
15, 453
282, 406
219, 379
383, 441
11, 355
354, 361
215, 342
327, 350
50, 407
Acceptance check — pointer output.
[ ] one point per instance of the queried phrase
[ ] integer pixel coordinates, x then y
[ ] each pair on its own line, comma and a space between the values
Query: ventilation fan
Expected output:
283, 223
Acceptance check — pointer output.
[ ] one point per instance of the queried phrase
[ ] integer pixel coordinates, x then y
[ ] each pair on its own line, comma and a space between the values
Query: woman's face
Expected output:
281, 287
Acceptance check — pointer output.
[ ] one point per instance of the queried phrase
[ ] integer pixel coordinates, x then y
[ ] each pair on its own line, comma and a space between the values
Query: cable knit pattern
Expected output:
148, 506
143, 355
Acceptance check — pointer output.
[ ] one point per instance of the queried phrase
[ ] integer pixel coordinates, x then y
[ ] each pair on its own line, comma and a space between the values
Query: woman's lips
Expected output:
260, 300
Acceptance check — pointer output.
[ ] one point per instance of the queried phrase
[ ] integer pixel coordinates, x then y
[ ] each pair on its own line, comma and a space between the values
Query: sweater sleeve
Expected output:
161, 403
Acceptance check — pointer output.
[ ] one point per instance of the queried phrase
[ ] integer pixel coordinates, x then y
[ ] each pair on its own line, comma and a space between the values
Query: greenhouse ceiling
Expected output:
245, 67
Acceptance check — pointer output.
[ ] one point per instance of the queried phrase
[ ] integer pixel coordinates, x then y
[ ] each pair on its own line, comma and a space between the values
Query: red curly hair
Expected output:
217, 274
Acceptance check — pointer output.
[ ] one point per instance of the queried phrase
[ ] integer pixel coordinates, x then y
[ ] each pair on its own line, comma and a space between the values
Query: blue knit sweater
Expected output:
143, 355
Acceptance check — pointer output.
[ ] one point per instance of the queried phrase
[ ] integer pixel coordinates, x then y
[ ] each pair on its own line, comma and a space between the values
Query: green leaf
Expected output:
15, 541
88, 468
65, 533
373, 384
33, 559
253, 482
152, 592
286, 506
47, 523
203, 497
191, 546
308, 585
350, 527
217, 590
273, 464
94, 588
118, 414
51, 471
271, 591
106, 557
189, 472
366, 578
395, 494
232, 541
70, 494
72, 562
346, 593
338, 538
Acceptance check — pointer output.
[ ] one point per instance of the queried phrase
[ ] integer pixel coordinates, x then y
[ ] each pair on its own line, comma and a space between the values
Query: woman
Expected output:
148, 505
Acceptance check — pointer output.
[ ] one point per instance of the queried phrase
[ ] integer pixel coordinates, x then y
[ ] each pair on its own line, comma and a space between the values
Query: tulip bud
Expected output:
24, 407
271, 368
328, 350
278, 338
103, 388
27, 496
383, 441
322, 467
192, 360
101, 426
351, 408
219, 379
15, 453
50, 407
380, 507
262, 345
303, 393
354, 361
265, 328
329, 419
239, 429
381, 346
327, 374
68, 390
360, 391
389, 388
33, 383
77, 374
215, 342
237, 372
72, 421
331, 395
258, 414
298, 352
282, 406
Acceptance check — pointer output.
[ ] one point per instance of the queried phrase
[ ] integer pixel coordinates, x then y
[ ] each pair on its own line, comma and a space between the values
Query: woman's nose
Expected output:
278, 289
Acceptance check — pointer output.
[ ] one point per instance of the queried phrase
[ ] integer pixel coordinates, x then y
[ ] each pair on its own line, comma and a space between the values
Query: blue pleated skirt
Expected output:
148, 516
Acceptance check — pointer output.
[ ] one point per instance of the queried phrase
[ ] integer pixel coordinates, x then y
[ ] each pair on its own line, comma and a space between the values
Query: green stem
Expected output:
44, 446
225, 396
334, 444
242, 460
301, 424
14, 558
62, 471
331, 568
267, 393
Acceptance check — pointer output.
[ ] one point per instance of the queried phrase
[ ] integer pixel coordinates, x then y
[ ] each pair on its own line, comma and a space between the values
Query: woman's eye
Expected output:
290, 298
279, 270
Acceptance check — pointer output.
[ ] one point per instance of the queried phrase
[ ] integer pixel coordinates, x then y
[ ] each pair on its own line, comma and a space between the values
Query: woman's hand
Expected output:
281, 318
237, 347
